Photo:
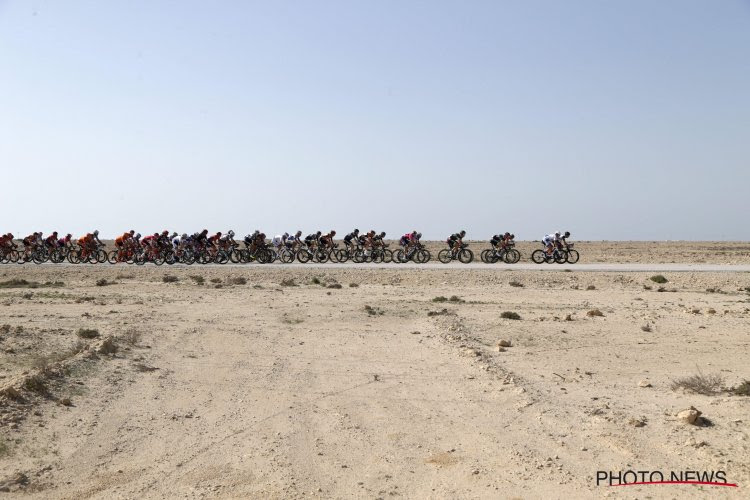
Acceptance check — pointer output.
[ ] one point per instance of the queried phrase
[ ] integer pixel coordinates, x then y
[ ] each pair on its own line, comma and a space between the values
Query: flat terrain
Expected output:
278, 382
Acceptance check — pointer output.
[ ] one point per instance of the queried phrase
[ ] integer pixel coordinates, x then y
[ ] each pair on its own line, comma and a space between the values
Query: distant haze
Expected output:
613, 120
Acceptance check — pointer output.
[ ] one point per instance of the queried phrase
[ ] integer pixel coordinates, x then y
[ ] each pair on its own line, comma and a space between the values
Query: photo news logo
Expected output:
646, 477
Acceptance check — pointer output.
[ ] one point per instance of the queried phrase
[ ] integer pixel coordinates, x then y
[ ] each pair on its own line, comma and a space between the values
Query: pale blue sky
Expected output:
611, 119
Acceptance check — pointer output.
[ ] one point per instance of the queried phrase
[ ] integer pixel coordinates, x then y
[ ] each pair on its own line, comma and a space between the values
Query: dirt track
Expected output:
264, 390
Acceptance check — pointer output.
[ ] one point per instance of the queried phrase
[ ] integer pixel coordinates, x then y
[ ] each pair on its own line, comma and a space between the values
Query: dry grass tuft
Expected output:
168, 278
591, 287
288, 282
516, 284
700, 383
131, 336
238, 280
353, 285
510, 315
594, 313
440, 299
658, 278
334, 285
104, 282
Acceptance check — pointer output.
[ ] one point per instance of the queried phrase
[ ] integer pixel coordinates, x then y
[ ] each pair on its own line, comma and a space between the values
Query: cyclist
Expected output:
51, 240
326, 240
350, 241
311, 240
293, 242
550, 240
454, 242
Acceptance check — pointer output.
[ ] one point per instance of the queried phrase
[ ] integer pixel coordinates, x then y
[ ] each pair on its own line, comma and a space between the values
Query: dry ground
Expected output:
232, 389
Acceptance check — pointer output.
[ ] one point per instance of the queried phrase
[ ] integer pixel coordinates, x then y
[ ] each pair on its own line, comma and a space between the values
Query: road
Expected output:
435, 265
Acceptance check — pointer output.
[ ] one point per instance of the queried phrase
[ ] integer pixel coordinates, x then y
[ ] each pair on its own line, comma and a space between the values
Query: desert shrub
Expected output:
4, 448
594, 313
315, 280
197, 279
658, 278
334, 285
646, 328
373, 311
216, 280
103, 282
516, 284
131, 336
238, 280
168, 278
291, 321
35, 383
510, 315
288, 282
440, 299
743, 389
456, 299
88, 333
109, 346
591, 287
353, 285
646, 287
700, 383
443, 312
5, 328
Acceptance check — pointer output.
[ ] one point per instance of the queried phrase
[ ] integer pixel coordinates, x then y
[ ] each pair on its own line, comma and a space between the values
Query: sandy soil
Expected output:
235, 388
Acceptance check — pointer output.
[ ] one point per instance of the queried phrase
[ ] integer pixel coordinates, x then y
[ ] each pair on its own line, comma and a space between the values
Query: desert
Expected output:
345, 381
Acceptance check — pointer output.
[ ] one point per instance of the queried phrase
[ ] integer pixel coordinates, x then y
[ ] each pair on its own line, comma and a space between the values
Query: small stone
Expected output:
504, 343
500, 349
644, 383
689, 415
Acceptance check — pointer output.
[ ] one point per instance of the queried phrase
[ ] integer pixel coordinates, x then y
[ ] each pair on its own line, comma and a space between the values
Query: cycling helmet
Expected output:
205, 231
231, 233
137, 236
332, 232
557, 233
96, 232
54, 233
418, 235
463, 233
414, 233
567, 234
184, 236
156, 235
382, 234
285, 235
512, 236
318, 233
356, 231
68, 237
218, 233
132, 232
298, 234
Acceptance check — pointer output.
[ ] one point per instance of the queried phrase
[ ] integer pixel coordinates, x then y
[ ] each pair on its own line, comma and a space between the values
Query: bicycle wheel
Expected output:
561, 257
445, 256
573, 256
303, 256
538, 256
515, 257
422, 256
465, 255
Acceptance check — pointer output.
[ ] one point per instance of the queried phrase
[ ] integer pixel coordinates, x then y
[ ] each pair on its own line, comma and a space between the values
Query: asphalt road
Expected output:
435, 265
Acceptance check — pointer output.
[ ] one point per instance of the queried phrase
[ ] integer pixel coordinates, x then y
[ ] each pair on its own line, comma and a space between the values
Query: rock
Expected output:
504, 343
637, 422
471, 352
644, 383
500, 349
689, 415
66, 402
108, 346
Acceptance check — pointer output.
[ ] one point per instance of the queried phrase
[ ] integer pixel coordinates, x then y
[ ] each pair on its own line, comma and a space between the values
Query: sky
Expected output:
623, 120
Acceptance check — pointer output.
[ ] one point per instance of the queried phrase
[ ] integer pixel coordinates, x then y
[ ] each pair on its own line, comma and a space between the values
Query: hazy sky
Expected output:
611, 119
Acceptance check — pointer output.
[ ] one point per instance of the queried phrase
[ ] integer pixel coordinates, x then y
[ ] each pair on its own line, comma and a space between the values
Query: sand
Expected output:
233, 389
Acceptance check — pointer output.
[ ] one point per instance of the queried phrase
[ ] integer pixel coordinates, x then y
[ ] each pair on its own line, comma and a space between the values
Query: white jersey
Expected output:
276, 241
